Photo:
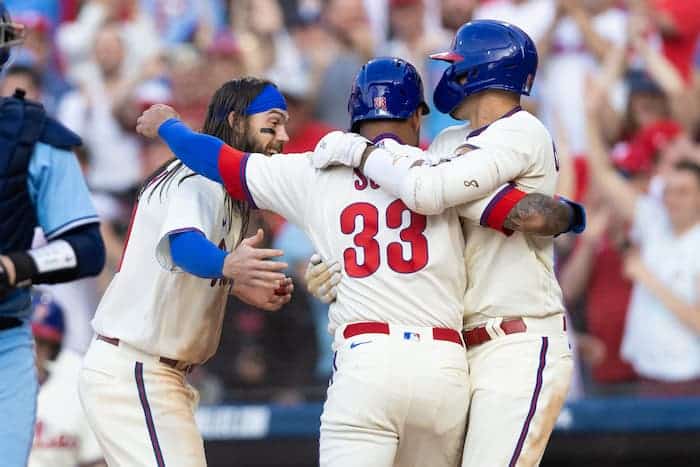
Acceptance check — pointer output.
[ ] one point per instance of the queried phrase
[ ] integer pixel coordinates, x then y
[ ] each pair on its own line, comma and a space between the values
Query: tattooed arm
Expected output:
540, 214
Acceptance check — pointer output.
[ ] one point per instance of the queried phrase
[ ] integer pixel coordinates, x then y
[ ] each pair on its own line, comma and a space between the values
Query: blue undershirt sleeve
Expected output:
193, 253
197, 151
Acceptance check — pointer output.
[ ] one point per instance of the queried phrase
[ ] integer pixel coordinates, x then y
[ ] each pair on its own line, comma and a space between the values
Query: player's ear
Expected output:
231, 119
416, 119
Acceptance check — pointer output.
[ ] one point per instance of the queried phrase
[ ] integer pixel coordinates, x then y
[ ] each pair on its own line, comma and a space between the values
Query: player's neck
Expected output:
488, 107
377, 129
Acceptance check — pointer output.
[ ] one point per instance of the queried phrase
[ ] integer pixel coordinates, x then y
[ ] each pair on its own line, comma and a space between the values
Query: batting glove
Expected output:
339, 148
322, 279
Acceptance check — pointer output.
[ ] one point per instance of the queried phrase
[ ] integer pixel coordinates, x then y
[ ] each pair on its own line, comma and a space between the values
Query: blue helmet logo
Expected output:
386, 88
485, 54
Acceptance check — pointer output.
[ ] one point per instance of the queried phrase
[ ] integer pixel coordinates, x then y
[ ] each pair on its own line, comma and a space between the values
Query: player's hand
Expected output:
265, 298
339, 148
322, 279
250, 266
152, 118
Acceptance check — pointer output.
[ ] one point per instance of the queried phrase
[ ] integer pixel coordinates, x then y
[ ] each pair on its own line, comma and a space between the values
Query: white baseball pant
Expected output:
397, 399
140, 409
519, 384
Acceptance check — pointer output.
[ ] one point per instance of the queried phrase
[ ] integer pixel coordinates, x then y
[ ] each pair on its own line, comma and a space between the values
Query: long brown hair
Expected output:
233, 96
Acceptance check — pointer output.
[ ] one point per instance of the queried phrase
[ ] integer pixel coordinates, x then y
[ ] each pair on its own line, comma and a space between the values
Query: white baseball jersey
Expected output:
398, 266
507, 275
153, 305
62, 436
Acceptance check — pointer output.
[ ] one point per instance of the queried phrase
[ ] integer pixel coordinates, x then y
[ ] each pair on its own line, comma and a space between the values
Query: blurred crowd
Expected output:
618, 86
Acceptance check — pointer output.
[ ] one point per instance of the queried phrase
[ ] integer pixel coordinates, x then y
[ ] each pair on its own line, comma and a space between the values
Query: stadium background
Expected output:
95, 64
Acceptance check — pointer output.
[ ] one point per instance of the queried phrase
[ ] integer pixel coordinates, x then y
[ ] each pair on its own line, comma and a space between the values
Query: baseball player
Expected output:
400, 370
41, 185
62, 437
162, 314
519, 357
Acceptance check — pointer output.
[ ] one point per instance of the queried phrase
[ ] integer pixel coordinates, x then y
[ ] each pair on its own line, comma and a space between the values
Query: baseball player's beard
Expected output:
251, 144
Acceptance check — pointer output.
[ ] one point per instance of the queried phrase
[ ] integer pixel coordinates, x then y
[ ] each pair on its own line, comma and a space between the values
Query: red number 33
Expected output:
365, 239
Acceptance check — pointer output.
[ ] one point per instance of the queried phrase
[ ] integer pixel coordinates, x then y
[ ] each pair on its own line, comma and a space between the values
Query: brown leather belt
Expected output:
176, 364
480, 335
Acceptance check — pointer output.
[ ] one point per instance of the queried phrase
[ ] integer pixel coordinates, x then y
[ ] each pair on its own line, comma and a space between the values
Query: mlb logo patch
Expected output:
411, 336
380, 103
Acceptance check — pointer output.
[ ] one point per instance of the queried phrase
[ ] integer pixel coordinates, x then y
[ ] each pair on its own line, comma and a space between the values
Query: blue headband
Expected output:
269, 98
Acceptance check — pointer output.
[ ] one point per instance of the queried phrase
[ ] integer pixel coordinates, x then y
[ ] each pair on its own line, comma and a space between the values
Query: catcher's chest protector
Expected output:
22, 124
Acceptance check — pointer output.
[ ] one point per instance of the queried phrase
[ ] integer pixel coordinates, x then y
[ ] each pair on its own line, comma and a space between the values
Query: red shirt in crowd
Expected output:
607, 299
679, 47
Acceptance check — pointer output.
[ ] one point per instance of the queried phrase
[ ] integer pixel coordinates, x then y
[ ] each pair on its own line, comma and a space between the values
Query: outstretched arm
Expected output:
204, 154
611, 184
280, 183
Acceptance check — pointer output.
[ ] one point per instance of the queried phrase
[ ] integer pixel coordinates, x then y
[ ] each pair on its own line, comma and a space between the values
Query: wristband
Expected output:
25, 268
577, 213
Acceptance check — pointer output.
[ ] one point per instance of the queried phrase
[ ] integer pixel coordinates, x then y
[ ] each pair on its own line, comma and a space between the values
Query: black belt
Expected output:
7, 322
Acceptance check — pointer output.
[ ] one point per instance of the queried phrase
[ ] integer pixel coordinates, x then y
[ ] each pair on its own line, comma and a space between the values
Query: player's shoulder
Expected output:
45, 155
398, 147
452, 133
447, 140
521, 127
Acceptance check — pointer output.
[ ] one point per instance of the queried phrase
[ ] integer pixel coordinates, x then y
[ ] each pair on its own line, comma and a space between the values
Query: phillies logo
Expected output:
380, 103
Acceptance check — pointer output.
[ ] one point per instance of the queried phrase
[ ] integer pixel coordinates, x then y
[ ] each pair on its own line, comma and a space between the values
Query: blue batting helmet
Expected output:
485, 54
386, 88
10, 34
47, 318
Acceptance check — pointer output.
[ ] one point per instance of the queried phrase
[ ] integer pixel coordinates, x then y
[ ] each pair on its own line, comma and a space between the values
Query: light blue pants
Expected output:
18, 391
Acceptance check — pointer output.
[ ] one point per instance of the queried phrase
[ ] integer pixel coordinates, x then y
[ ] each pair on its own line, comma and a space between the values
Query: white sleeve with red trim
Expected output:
280, 183
461, 179
191, 203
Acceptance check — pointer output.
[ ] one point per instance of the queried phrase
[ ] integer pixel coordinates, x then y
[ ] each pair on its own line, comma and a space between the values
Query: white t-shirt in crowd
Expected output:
658, 344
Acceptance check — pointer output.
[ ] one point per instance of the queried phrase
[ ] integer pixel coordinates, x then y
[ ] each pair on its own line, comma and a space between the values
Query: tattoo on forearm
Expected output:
538, 214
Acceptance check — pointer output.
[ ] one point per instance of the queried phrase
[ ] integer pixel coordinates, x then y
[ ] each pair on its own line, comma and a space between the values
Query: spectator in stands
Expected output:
225, 59
535, 17
678, 22
140, 40
62, 435
90, 111
592, 277
179, 21
189, 71
40, 54
411, 40
347, 21
22, 77
579, 37
662, 332
453, 14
